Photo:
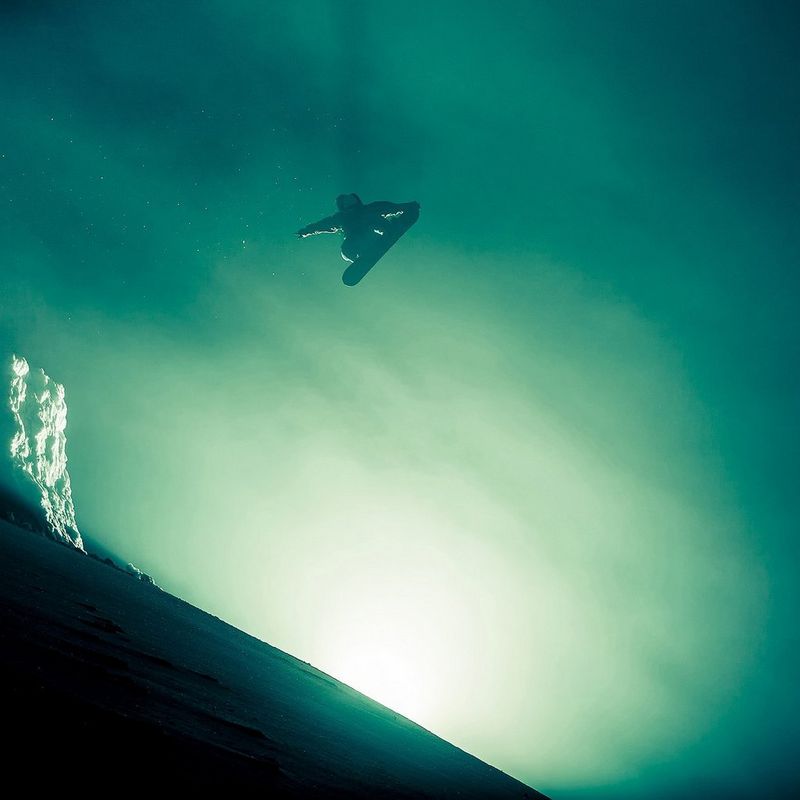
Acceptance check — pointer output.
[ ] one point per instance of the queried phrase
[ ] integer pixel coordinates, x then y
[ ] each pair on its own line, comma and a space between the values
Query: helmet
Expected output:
345, 201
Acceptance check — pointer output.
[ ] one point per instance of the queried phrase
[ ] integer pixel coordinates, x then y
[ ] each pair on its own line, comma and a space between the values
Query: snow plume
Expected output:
38, 445
142, 576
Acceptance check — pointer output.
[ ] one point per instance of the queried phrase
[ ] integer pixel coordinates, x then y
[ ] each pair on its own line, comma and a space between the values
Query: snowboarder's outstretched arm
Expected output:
389, 211
332, 224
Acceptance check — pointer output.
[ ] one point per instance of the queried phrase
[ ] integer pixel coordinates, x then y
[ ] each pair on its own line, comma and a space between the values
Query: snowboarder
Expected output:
369, 231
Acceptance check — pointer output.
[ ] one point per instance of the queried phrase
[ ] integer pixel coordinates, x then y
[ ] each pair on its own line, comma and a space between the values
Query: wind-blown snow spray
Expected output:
39, 445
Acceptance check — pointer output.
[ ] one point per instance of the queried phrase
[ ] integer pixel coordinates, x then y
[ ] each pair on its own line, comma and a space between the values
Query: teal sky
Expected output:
534, 481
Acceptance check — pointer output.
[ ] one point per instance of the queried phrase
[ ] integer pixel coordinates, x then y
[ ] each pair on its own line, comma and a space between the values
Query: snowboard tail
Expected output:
380, 245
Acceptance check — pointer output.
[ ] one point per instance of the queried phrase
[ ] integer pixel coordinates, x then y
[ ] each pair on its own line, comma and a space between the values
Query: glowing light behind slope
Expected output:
513, 574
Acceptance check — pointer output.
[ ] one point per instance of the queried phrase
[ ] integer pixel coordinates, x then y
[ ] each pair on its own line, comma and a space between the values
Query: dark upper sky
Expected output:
539, 470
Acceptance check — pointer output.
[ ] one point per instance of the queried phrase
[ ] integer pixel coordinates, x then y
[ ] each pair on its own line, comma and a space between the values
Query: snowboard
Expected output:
394, 228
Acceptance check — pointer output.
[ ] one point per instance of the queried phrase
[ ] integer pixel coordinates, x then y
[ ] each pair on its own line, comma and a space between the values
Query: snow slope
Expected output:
111, 682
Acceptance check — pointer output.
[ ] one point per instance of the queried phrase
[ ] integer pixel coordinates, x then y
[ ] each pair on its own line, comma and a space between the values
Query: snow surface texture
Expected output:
39, 445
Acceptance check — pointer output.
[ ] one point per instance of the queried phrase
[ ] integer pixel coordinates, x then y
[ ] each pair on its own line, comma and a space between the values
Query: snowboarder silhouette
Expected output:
369, 231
